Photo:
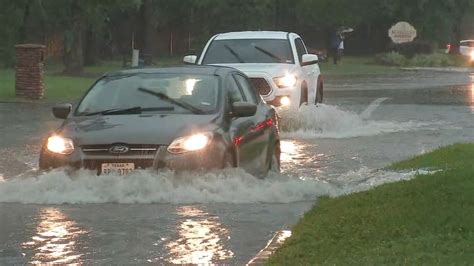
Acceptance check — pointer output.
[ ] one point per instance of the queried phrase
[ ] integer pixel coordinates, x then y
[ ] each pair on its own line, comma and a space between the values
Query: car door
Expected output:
260, 133
242, 129
310, 72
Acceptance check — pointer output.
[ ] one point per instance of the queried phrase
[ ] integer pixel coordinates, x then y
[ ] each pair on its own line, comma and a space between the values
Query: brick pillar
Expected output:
29, 71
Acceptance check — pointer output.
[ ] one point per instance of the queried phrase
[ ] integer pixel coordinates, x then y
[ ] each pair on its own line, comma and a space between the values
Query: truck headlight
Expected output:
60, 145
190, 143
285, 101
289, 80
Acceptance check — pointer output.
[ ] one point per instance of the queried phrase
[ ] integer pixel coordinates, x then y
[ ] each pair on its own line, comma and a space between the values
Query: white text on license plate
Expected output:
117, 168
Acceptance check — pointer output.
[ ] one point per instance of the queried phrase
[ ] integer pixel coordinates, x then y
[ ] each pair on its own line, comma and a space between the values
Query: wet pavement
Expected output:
226, 217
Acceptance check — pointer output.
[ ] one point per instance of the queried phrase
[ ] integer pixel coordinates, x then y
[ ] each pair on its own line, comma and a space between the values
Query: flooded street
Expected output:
226, 217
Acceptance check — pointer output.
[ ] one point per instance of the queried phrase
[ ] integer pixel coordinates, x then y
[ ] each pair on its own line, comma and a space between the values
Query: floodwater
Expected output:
225, 216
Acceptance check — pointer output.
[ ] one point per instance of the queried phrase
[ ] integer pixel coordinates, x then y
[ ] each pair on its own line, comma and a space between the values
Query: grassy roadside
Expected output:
356, 65
428, 220
60, 88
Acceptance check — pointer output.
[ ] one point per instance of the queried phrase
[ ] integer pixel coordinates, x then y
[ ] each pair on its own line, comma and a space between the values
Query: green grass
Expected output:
356, 65
7, 84
425, 221
453, 156
60, 88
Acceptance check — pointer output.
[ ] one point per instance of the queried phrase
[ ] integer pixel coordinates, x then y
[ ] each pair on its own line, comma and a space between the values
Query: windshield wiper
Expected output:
280, 60
117, 111
165, 97
235, 54
132, 110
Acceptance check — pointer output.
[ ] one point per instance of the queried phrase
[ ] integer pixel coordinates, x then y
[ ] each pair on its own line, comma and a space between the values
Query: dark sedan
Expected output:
184, 118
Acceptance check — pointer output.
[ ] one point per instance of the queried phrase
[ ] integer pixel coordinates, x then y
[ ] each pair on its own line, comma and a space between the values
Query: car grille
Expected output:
261, 85
134, 150
143, 156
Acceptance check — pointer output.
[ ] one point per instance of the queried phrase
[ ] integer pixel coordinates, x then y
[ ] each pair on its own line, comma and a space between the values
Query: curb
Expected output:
263, 255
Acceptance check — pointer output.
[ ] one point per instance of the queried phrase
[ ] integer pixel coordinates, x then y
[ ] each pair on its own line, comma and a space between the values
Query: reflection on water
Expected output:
293, 156
290, 150
200, 238
472, 96
55, 239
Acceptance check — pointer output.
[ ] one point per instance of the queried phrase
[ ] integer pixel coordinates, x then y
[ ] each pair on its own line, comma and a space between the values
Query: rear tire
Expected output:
319, 94
274, 162
228, 161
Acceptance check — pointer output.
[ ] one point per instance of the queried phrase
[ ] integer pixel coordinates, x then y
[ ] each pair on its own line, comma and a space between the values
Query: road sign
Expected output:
402, 32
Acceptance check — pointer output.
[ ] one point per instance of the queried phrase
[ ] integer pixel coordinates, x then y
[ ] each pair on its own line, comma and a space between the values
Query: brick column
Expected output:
29, 71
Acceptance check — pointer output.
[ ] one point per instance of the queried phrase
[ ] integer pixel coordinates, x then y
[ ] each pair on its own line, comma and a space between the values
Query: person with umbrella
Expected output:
337, 43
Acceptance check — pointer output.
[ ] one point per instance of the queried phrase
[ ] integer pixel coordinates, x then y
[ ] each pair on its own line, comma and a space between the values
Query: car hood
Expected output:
135, 129
274, 70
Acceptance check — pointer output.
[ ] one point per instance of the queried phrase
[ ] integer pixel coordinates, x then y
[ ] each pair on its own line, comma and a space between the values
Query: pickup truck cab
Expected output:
277, 63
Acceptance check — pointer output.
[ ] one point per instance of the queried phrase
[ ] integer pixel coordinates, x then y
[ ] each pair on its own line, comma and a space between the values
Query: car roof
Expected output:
252, 35
191, 69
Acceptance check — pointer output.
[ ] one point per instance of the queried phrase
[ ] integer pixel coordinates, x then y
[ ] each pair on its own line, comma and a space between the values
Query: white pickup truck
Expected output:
277, 63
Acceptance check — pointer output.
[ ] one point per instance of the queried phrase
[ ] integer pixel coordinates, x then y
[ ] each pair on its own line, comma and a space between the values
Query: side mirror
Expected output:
243, 109
309, 59
62, 111
190, 59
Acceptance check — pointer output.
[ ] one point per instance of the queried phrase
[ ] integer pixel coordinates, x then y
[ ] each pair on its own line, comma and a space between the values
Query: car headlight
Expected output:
472, 55
57, 144
190, 143
286, 81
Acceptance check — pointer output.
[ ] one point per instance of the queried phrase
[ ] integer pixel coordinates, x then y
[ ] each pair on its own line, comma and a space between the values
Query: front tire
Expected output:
304, 96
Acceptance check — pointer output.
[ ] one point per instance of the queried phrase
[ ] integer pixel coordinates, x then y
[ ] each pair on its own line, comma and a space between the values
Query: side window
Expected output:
235, 95
300, 48
247, 88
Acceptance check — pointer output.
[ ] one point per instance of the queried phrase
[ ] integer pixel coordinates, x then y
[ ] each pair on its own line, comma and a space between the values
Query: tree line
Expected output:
96, 29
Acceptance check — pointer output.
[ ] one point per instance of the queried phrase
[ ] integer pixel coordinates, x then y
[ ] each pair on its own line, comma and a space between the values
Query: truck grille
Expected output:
261, 85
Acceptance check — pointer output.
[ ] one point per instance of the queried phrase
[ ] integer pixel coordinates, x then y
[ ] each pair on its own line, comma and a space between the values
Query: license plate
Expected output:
117, 168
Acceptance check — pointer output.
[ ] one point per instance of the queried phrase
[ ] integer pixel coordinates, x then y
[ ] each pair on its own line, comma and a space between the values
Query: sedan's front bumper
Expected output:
209, 158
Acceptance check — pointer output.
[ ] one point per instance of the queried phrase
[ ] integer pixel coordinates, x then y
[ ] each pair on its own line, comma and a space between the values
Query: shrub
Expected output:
420, 60
432, 60
413, 48
391, 59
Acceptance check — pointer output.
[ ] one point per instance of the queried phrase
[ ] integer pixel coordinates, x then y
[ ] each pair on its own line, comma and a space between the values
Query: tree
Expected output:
73, 50
11, 14
80, 20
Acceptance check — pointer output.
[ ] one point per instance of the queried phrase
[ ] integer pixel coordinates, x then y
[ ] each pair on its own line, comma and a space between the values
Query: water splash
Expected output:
143, 187
365, 179
326, 121
228, 186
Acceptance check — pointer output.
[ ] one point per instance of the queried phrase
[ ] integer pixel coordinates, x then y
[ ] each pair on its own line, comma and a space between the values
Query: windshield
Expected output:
152, 93
249, 51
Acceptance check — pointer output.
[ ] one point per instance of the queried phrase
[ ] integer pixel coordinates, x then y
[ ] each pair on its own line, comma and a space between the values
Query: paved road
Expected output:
222, 217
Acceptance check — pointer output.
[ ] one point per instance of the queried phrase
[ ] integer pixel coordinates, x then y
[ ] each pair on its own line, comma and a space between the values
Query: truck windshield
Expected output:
249, 51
